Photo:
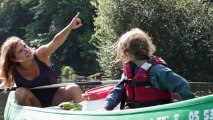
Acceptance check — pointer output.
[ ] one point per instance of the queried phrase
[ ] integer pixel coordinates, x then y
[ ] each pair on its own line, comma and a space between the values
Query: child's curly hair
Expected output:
135, 42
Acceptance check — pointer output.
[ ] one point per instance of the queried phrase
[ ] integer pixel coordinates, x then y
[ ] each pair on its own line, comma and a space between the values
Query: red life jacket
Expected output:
139, 90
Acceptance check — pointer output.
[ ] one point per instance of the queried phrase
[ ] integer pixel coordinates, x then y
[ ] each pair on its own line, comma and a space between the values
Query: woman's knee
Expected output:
22, 93
74, 89
68, 93
76, 93
24, 96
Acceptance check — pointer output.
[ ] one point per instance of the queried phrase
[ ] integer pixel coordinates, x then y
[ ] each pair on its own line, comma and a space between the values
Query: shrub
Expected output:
181, 30
66, 73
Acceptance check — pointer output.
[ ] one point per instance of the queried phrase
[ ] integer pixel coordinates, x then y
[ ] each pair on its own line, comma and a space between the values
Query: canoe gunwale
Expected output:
181, 104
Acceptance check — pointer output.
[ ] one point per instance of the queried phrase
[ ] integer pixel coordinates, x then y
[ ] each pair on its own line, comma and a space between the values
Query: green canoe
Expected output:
195, 109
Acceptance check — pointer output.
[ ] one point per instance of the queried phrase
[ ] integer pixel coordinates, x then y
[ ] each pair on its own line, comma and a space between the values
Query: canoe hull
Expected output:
195, 109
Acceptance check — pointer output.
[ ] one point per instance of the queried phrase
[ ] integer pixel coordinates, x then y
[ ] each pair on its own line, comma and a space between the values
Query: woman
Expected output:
29, 68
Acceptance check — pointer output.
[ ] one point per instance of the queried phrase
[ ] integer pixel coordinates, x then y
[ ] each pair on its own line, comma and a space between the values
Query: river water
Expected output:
3, 100
201, 89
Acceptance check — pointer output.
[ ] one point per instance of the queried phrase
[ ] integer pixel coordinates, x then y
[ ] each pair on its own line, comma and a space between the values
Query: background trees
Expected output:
181, 29
37, 21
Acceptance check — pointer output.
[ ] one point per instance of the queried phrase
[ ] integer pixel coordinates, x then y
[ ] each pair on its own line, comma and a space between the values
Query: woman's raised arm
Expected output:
59, 38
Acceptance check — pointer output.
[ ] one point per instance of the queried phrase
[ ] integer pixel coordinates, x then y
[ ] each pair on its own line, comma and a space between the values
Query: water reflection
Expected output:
3, 100
202, 89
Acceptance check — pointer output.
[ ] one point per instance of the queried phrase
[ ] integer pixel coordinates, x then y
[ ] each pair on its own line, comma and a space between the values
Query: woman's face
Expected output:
22, 52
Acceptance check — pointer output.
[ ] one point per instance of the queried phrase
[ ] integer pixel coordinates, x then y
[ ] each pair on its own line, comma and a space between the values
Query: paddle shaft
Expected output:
78, 83
84, 83
65, 84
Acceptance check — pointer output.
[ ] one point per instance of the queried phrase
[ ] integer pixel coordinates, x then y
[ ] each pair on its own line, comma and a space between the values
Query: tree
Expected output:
77, 51
67, 72
14, 16
37, 21
207, 1
181, 29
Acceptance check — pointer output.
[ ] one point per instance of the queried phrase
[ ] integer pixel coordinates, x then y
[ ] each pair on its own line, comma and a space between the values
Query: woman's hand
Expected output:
76, 22
44, 51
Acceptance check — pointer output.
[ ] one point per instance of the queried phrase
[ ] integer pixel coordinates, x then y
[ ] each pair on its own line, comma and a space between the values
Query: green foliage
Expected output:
51, 17
66, 72
207, 1
181, 29
14, 16
71, 106
88, 54
38, 21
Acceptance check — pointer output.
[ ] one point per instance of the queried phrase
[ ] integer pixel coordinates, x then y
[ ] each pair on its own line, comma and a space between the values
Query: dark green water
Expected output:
3, 100
200, 89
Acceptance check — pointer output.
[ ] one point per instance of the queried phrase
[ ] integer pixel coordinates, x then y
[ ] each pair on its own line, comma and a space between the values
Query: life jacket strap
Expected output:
134, 104
137, 83
146, 66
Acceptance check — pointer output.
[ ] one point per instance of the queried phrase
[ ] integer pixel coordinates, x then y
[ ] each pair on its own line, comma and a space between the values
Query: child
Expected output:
146, 80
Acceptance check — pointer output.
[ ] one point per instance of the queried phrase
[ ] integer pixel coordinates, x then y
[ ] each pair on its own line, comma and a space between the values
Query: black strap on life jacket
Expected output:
137, 83
134, 104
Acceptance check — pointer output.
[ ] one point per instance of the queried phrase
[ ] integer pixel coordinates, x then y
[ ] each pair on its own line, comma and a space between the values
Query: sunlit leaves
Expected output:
181, 29
37, 21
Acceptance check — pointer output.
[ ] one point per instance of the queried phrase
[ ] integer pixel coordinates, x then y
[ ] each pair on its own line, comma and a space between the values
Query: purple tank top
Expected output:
47, 76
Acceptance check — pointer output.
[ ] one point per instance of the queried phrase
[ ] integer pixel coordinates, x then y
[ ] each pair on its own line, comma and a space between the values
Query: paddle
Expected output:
65, 84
